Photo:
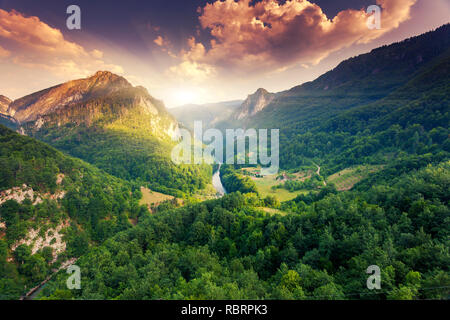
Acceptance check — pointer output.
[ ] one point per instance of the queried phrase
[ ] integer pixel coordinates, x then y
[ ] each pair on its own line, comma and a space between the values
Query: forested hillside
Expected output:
233, 182
114, 126
53, 208
412, 120
228, 249
372, 109
354, 83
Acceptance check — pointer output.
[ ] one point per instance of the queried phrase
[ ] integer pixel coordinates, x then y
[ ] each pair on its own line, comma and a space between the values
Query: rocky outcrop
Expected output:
31, 107
53, 238
19, 194
254, 103
103, 96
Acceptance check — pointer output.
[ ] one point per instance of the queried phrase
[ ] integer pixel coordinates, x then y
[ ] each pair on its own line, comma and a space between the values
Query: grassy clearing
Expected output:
347, 178
264, 185
152, 198
272, 211
303, 175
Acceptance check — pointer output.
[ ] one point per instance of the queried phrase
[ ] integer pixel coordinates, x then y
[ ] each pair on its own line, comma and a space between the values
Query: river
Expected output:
217, 183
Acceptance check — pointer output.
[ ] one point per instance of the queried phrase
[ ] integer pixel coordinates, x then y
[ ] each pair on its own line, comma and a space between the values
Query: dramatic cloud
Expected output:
191, 69
36, 45
269, 36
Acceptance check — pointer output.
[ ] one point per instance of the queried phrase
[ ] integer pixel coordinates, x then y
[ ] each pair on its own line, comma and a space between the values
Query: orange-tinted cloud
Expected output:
192, 68
37, 45
159, 41
270, 36
164, 45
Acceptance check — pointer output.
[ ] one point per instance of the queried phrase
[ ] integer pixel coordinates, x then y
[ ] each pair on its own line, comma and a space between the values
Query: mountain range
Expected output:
391, 88
122, 129
106, 121
79, 158
354, 82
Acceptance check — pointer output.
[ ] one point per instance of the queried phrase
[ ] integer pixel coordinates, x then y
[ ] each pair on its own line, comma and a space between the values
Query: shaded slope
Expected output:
353, 83
71, 206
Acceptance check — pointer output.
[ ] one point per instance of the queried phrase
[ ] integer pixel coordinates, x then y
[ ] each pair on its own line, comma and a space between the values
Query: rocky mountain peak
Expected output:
254, 103
103, 97
100, 73
106, 77
261, 91
31, 107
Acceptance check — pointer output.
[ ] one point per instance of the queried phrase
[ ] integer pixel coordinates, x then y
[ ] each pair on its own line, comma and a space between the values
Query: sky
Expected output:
197, 51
